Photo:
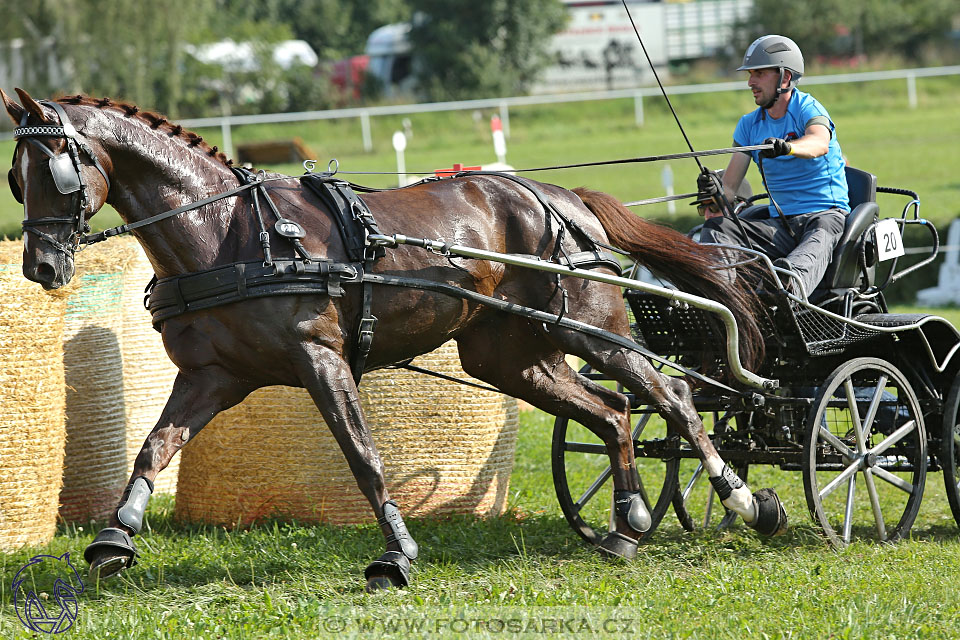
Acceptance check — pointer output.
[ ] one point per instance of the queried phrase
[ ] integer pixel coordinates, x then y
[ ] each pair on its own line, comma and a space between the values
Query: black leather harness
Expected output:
170, 297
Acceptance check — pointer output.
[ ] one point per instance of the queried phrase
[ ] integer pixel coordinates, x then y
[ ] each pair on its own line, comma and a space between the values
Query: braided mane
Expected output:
155, 120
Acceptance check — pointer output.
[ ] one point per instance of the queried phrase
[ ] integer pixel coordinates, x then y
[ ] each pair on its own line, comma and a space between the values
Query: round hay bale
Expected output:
95, 465
148, 373
446, 448
32, 423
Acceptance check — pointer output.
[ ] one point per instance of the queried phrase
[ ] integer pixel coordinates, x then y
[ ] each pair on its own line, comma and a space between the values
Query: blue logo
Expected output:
45, 592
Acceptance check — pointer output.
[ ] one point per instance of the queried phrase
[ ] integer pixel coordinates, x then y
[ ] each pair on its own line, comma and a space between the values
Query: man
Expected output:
803, 171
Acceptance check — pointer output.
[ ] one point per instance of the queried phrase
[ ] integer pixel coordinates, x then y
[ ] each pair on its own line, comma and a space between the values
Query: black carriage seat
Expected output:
845, 271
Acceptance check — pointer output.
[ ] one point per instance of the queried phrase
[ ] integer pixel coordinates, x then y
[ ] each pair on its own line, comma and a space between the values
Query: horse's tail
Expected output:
689, 265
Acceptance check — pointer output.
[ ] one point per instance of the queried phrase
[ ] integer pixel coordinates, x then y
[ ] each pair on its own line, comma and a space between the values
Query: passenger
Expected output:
803, 172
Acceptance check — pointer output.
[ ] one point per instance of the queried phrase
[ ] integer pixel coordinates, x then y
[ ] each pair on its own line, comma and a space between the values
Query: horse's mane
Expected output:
155, 120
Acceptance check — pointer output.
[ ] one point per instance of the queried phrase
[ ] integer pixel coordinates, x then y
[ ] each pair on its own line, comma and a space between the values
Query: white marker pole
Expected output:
499, 142
667, 178
399, 144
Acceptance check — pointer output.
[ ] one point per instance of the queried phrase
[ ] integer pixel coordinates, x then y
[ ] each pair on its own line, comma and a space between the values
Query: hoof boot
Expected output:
771, 516
618, 546
111, 552
392, 569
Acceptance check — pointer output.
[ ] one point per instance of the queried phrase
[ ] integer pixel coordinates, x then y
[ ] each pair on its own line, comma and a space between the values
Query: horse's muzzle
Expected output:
50, 271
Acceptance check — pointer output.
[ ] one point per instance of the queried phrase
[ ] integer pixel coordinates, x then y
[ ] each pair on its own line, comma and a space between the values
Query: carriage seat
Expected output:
844, 270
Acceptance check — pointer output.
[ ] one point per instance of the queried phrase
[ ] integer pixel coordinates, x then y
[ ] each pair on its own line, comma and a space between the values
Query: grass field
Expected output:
281, 580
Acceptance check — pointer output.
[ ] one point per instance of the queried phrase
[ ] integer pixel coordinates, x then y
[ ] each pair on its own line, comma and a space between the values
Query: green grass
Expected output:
905, 148
282, 580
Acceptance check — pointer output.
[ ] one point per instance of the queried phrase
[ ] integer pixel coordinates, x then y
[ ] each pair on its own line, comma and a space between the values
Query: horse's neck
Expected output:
159, 173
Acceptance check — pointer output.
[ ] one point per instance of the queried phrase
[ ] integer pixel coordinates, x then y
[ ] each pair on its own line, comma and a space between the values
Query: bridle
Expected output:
66, 172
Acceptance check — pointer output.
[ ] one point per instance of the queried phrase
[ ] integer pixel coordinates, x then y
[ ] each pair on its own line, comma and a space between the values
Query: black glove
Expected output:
708, 184
780, 148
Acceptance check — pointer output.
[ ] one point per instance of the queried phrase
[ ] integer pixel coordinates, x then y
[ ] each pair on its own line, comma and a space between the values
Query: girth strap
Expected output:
355, 222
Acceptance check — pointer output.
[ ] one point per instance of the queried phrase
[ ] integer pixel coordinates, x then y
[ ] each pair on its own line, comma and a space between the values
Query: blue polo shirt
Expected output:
799, 185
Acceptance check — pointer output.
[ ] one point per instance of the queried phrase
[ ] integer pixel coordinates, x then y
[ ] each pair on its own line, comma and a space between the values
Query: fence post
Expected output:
365, 129
505, 119
912, 90
638, 108
227, 137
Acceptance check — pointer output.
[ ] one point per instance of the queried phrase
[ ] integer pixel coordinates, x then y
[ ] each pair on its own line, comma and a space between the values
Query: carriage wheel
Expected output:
865, 456
950, 449
582, 478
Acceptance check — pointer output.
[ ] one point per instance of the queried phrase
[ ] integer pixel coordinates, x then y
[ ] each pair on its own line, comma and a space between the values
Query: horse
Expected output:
141, 163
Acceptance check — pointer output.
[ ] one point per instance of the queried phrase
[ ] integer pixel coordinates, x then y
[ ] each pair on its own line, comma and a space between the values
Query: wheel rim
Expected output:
865, 454
582, 478
950, 449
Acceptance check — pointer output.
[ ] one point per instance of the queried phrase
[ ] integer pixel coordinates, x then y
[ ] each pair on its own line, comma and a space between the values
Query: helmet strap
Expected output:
780, 92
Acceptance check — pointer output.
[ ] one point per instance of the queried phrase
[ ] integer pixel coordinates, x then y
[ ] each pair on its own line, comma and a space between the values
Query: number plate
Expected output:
889, 242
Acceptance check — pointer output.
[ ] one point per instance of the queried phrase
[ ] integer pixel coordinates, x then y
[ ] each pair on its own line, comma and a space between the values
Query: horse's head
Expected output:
59, 178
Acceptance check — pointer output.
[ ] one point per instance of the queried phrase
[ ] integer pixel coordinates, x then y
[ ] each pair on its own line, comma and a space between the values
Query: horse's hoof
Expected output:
618, 546
771, 516
392, 569
379, 583
111, 552
107, 567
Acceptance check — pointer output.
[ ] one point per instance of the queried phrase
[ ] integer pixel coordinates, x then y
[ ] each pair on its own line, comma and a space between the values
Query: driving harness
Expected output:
303, 274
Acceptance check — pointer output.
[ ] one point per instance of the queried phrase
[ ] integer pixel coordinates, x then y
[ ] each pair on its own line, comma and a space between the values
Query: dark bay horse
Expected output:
142, 165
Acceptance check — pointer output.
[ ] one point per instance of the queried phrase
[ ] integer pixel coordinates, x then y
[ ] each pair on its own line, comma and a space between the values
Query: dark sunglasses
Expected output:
708, 206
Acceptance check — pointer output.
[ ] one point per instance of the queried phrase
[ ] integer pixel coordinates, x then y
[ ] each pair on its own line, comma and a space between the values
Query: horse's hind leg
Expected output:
330, 383
673, 400
522, 363
195, 399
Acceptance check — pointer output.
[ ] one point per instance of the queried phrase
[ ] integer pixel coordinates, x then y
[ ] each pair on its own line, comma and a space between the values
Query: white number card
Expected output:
889, 242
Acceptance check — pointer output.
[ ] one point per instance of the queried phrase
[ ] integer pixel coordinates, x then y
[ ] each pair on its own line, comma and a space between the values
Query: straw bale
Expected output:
148, 373
32, 423
447, 448
94, 472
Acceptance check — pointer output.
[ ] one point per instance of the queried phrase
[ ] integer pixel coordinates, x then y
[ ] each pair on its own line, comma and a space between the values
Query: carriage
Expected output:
866, 402
271, 279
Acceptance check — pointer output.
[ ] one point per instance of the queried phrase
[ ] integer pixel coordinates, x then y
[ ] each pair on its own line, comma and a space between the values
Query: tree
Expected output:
854, 27
467, 49
105, 47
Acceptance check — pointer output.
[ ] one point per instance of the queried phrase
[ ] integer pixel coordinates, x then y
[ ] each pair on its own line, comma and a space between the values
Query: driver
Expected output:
803, 172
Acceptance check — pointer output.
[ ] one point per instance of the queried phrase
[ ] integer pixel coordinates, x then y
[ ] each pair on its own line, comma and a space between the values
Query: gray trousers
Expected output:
808, 251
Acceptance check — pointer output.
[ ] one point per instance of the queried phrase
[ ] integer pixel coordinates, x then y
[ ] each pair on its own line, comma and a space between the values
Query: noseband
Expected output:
66, 172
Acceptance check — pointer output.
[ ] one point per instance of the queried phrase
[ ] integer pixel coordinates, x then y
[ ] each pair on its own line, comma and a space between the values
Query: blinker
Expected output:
65, 175
14, 187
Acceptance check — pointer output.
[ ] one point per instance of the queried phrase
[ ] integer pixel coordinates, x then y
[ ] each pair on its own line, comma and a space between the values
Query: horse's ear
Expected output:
14, 109
30, 104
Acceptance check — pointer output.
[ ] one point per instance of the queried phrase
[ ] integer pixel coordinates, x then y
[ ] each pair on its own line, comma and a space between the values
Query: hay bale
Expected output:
32, 423
148, 373
447, 448
94, 467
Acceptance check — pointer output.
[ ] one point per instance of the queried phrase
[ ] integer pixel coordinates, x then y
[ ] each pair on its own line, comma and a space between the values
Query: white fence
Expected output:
503, 104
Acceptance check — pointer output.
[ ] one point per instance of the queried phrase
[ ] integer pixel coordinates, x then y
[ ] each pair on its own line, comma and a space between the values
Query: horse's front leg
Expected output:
328, 379
194, 401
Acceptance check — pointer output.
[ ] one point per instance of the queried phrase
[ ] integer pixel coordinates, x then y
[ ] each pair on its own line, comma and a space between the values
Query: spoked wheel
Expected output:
582, 478
950, 448
865, 456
